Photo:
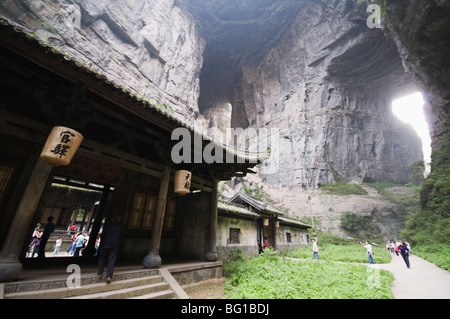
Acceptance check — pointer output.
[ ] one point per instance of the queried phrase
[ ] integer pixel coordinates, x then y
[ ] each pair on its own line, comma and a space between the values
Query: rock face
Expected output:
149, 46
317, 73
420, 30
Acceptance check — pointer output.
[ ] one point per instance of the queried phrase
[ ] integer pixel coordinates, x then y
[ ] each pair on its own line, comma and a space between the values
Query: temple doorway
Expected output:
75, 206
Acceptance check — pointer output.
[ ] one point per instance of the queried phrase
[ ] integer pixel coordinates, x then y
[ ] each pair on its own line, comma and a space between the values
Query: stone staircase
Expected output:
136, 284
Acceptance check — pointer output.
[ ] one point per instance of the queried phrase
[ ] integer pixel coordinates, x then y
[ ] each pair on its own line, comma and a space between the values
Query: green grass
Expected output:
438, 254
272, 276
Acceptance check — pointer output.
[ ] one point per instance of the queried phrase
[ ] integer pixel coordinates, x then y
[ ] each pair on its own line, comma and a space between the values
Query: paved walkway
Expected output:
423, 280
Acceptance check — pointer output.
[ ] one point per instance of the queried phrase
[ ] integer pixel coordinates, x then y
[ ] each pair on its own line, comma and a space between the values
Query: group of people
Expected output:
110, 239
79, 241
367, 245
39, 238
400, 248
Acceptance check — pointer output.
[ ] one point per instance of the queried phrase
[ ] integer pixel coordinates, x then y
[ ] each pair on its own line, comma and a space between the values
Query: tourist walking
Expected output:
404, 252
97, 245
392, 247
110, 240
37, 242
79, 243
71, 249
409, 247
57, 246
48, 229
396, 247
369, 252
315, 250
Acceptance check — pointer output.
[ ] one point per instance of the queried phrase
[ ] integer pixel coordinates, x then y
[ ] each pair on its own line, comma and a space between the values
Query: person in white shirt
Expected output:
57, 246
369, 252
315, 249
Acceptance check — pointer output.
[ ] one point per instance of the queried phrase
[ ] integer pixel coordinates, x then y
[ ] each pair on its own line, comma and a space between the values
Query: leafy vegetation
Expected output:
272, 276
294, 274
438, 254
344, 189
355, 224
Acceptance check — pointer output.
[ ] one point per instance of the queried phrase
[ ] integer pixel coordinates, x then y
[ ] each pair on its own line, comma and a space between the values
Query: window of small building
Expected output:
143, 211
289, 237
235, 236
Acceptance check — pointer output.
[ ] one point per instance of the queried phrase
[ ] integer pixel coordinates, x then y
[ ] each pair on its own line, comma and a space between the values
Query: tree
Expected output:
418, 169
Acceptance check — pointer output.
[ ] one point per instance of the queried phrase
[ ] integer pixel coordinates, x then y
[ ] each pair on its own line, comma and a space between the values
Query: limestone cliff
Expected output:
317, 72
149, 46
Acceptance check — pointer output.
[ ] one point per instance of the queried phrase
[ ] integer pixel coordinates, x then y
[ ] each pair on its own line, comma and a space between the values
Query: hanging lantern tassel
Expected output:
182, 182
61, 146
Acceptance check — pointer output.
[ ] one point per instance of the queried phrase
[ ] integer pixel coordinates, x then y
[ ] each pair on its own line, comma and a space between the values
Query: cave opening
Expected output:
410, 109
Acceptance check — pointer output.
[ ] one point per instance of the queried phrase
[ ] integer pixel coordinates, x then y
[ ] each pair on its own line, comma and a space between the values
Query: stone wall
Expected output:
248, 237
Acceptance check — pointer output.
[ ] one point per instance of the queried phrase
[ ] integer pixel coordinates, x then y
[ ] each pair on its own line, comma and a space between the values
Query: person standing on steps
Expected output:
369, 252
57, 246
79, 242
404, 251
48, 229
110, 240
315, 249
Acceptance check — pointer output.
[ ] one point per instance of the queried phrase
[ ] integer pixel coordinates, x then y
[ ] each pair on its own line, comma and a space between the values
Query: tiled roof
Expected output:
240, 210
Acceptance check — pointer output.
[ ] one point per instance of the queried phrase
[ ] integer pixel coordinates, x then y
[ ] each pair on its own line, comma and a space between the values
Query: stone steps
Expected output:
144, 284
131, 292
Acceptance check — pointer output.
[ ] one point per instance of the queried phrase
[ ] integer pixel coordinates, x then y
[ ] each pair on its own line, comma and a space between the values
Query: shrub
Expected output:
269, 276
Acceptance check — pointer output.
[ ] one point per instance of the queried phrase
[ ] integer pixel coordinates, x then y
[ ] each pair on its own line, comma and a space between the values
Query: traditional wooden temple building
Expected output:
244, 221
123, 166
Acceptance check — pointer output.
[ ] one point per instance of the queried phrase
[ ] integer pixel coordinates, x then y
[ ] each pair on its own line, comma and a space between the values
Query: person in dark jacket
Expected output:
404, 251
48, 229
109, 244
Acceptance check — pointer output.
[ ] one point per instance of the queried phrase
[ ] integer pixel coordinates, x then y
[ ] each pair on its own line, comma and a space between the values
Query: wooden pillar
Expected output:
91, 215
101, 212
211, 254
153, 260
274, 232
83, 221
10, 267
73, 217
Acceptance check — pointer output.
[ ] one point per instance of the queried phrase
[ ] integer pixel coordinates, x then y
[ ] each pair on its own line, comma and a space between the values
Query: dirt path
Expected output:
423, 280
